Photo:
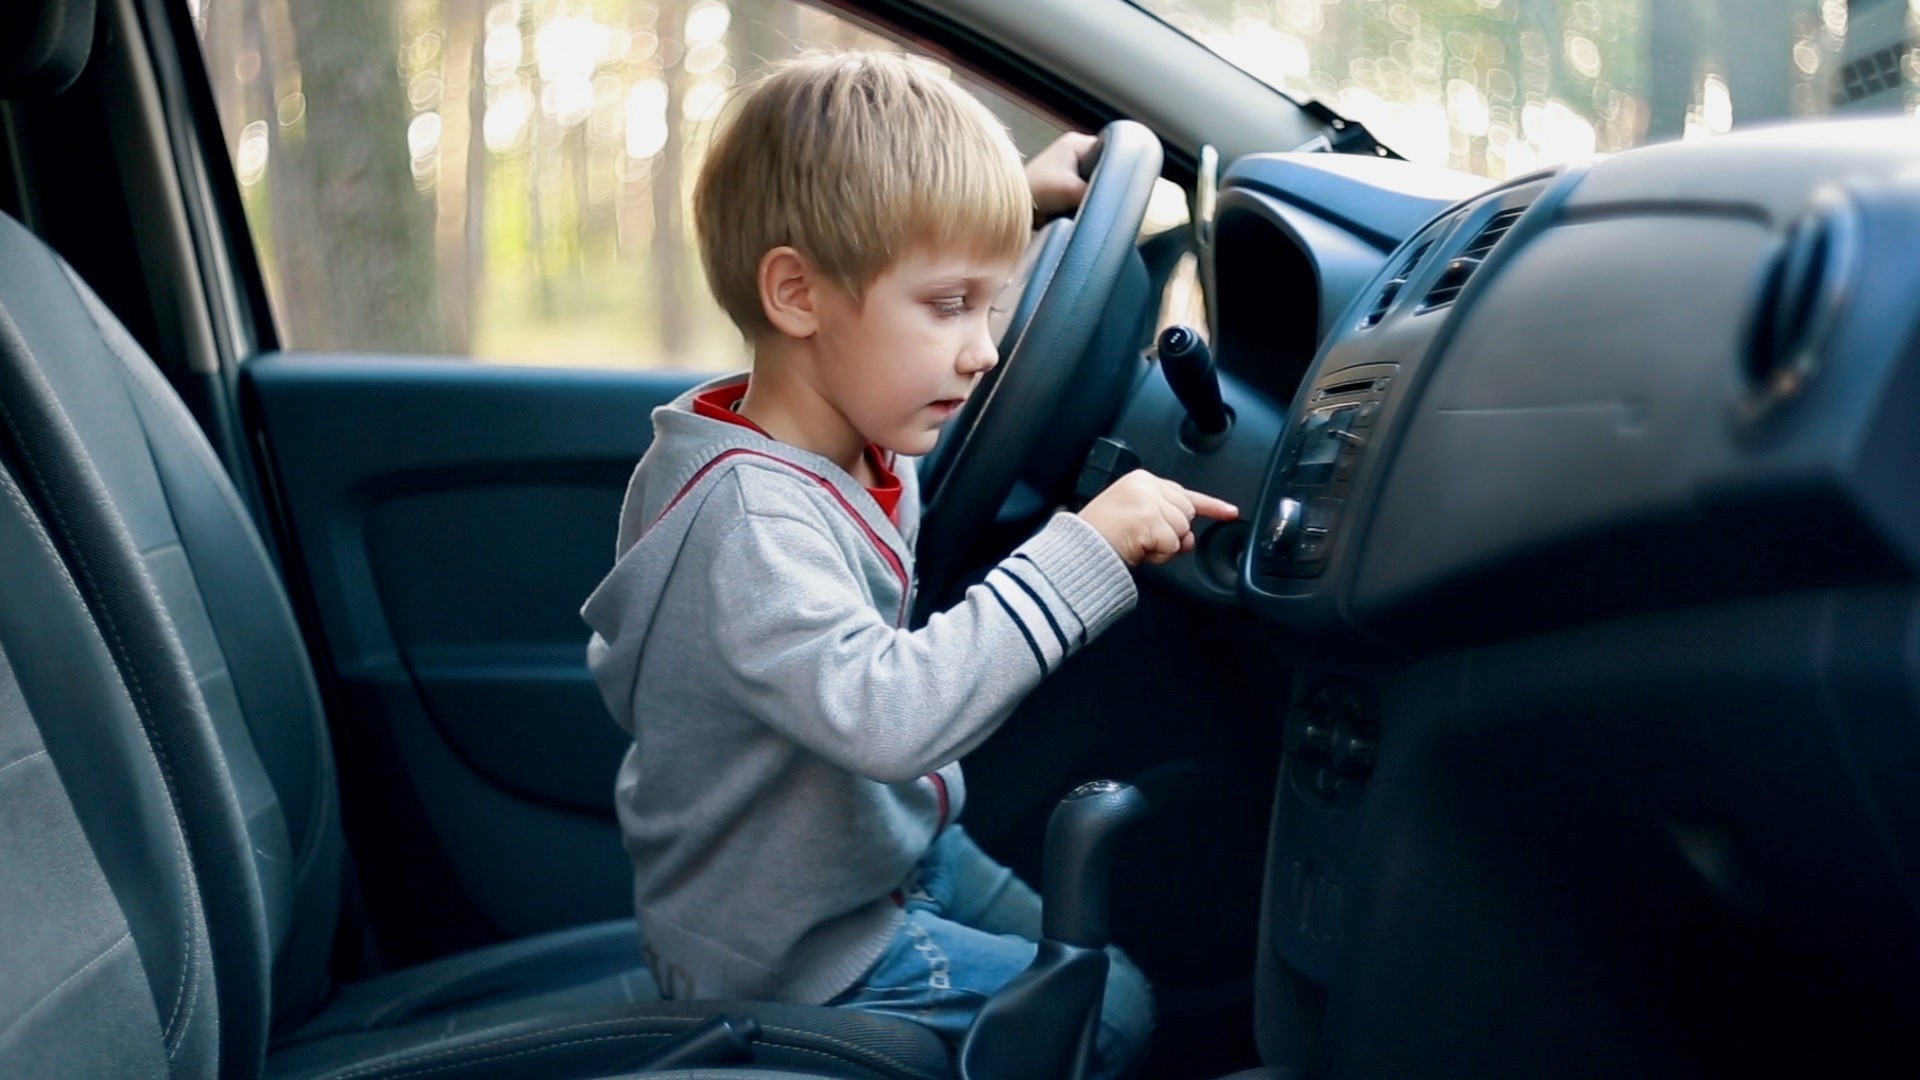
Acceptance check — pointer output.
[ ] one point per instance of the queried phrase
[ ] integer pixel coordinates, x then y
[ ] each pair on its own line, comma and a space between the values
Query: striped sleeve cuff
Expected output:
1071, 574
1051, 629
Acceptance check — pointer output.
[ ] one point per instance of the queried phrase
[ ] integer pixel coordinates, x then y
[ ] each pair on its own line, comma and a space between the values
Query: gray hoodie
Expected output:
795, 747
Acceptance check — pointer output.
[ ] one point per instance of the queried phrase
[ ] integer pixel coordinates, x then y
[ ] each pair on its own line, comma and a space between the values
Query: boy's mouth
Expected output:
947, 406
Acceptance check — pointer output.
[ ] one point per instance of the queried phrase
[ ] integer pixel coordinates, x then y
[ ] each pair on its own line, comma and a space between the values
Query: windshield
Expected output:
1501, 87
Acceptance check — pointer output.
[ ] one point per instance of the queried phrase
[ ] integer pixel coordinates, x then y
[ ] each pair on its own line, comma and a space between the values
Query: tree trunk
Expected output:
372, 234
293, 248
473, 268
1759, 36
1673, 62
459, 194
537, 214
667, 252
1545, 21
578, 155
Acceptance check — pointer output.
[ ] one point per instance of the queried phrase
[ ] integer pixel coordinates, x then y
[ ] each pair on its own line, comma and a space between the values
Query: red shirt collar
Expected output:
719, 404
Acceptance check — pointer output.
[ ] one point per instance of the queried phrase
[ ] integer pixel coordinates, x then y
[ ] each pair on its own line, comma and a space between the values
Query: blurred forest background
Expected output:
508, 179
1502, 87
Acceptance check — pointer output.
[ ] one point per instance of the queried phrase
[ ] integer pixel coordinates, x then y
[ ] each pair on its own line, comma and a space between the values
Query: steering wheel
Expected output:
1071, 278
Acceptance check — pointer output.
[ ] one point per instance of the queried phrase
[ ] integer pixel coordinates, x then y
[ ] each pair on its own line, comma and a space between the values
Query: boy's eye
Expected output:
950, 306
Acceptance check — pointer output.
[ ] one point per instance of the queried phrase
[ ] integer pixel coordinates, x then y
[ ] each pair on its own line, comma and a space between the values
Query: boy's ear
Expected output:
789, 292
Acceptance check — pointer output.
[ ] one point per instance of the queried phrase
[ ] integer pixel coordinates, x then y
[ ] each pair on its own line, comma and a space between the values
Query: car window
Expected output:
1502, 87
501, 179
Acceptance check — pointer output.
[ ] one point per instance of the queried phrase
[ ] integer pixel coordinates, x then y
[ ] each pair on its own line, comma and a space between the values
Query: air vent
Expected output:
1801, 302
1446, 288
1491, 234
1391, 290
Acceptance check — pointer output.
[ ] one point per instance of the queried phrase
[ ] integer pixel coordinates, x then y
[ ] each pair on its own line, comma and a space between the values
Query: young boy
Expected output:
790, 793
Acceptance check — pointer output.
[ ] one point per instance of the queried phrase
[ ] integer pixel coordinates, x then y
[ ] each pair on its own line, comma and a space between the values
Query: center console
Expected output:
1340, 433
1315, 472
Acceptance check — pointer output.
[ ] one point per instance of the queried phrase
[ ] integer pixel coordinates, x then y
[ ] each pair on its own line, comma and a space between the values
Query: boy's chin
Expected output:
913, 445
909, 443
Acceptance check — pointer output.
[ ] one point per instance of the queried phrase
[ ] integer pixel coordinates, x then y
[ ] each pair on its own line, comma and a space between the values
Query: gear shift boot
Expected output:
1042, 1024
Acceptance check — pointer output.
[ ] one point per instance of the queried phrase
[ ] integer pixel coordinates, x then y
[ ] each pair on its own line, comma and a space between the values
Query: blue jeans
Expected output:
971, 927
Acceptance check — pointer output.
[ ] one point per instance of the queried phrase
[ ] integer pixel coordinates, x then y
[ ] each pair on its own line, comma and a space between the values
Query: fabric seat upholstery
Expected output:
105, 946
168, 564
547, 965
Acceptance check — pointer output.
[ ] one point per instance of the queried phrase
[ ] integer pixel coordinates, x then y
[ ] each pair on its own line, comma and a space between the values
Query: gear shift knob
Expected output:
1081, 837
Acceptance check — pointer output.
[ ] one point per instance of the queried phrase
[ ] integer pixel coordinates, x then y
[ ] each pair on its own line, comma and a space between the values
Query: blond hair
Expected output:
852, 159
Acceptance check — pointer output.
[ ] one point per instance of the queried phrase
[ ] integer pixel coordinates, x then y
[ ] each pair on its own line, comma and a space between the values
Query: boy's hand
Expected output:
1148, 519
1054, 176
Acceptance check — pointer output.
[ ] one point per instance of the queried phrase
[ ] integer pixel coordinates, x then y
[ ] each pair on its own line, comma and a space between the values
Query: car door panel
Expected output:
448, 519
486, 632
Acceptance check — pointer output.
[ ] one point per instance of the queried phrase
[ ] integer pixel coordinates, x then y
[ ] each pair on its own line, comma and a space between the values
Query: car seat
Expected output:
164, 556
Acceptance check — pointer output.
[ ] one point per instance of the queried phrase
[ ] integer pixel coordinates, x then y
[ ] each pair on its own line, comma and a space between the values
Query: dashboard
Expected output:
1650, 375
1582, 512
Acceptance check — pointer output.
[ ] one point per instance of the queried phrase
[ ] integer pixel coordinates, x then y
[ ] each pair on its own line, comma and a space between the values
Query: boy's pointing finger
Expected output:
1217, 509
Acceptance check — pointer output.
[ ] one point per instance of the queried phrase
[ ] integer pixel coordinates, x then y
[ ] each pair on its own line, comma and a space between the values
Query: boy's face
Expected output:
898, 363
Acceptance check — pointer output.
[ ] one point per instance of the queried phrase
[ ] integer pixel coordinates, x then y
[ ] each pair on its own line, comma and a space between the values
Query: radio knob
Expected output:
1283, 529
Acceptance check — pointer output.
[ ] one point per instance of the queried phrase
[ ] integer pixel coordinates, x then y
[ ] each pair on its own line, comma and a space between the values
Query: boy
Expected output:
789, 796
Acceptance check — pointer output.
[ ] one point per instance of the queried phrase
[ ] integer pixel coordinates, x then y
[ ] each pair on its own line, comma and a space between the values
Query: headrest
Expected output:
43, 45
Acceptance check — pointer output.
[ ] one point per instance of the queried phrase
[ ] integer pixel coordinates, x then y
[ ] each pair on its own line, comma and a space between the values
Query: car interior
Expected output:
1541, 715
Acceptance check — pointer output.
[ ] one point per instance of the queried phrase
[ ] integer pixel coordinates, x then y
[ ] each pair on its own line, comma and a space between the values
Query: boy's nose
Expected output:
980, 354
976, 363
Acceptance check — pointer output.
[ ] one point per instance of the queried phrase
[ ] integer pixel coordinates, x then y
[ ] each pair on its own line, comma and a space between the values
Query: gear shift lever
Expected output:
1078, 877
1042, 1024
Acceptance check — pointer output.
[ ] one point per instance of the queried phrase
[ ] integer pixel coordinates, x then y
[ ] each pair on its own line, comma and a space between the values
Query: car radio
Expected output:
1319, 461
